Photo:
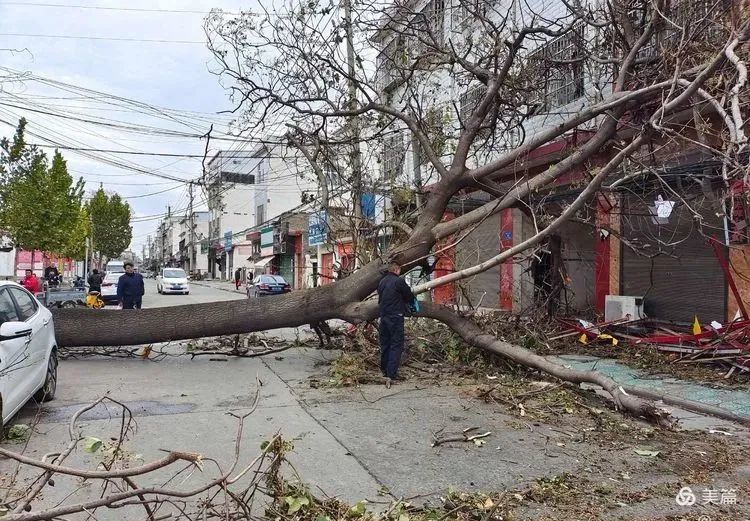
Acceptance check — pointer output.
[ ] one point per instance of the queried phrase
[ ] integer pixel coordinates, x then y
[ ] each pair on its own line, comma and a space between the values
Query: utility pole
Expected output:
191, 233
355, 157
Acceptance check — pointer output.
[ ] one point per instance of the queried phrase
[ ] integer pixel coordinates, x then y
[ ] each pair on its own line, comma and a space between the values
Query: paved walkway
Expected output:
224, 285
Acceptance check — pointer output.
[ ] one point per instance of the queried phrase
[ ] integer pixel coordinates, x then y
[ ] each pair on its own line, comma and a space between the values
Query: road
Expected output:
198, 294
180, 403
350, 443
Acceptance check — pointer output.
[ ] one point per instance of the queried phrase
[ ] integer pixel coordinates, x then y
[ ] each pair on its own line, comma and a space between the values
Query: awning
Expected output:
262, 263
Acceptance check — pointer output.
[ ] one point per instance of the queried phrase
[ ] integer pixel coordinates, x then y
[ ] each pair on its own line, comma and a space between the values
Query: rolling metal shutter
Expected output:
679, 274
480, 245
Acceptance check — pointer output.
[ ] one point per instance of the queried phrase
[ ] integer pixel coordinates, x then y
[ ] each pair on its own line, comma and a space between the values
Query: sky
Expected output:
49, 52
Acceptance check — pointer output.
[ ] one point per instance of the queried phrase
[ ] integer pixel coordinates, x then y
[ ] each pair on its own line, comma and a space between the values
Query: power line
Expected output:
130, 9
106, 38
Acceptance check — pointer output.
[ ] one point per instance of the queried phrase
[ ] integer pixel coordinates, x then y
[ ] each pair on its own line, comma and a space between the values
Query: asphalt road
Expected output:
179, 403
198, 294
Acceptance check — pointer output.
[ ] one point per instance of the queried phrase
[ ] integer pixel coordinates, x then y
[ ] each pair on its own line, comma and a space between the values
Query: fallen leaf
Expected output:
358, 509
296, 503
647, 453
91, 444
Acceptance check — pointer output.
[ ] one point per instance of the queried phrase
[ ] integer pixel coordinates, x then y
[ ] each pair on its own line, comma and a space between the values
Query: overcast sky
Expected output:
168, 75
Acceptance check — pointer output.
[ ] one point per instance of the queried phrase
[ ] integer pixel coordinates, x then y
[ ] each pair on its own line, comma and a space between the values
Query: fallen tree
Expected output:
325, 100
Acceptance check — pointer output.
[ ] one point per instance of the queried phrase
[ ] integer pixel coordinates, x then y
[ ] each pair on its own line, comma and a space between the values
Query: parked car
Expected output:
115, 266
267, 285
172, 280
109, 287
28, 350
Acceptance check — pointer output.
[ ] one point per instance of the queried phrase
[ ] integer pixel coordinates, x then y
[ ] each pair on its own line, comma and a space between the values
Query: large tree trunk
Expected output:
79, 327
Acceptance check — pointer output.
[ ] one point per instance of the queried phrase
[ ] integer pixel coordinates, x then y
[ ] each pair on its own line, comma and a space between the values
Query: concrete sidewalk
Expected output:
353, 443
223, 285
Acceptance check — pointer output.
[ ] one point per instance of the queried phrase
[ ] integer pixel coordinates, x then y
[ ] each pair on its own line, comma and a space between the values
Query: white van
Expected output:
115, 266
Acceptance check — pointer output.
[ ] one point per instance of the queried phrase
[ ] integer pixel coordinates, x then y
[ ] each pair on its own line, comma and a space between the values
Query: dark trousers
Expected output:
237, 284
391, 332
132, 302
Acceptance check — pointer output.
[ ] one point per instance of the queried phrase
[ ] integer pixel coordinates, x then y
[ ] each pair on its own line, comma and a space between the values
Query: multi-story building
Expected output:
194, 247
554, 78
246, 189
168, 241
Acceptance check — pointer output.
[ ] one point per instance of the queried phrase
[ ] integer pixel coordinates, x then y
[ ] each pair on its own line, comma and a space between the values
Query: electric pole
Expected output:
355, 158
191, 224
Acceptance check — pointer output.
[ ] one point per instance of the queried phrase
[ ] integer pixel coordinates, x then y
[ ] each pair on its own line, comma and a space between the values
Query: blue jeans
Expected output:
391, 333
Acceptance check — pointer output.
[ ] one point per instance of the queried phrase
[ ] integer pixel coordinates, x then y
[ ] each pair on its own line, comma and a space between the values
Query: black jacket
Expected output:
394, 295
130, 286
95, 282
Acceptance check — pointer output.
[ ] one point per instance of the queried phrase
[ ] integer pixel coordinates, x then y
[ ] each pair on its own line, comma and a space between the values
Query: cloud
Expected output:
162, 74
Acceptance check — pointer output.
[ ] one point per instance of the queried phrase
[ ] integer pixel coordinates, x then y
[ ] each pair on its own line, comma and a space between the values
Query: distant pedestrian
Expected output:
394, 299
31, 282
237, 278
130, 288
95, 281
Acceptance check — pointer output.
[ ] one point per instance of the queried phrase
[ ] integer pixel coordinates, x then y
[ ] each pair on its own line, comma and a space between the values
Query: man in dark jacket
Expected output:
95, 281
237, 278
394, 298
130, 288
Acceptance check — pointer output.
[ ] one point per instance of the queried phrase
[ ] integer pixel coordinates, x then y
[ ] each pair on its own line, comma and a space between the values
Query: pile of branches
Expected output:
241, 345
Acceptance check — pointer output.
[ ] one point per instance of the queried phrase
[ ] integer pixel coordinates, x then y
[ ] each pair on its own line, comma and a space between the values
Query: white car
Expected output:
172, 280
109, 287
28, 350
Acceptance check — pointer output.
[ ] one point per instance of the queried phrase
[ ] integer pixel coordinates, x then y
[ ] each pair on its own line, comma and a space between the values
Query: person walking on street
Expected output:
95, 281
394, 299
31, 282
237, 277
130, 288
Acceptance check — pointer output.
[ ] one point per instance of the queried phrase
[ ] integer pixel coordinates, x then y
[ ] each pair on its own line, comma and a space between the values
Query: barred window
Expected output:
696, 17
469, 101
393, 155
463, 13
557, 70
388, 63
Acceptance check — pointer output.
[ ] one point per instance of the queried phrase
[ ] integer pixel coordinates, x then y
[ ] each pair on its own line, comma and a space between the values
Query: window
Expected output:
174, 274
698, 18
388, 62
260, 214
464, 11
469, 101
26, 304
558, 70
262, 174
393, 155
7, 308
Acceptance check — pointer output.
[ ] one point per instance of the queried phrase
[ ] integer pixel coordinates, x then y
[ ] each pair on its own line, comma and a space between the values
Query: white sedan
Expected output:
109, 287
172, 280
28, 350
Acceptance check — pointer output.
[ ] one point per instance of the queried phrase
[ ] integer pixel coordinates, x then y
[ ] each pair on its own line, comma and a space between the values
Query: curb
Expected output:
217, 287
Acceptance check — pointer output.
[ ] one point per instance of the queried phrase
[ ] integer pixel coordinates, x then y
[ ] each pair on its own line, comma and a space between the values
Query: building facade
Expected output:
635, 238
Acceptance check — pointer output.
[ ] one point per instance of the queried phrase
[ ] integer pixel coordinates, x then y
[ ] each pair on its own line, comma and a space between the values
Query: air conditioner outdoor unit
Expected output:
618, 307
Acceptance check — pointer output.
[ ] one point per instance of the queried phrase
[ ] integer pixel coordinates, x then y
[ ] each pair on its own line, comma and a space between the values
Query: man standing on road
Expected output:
95, 281
31, 282
394, 297
237, 277
130, 288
